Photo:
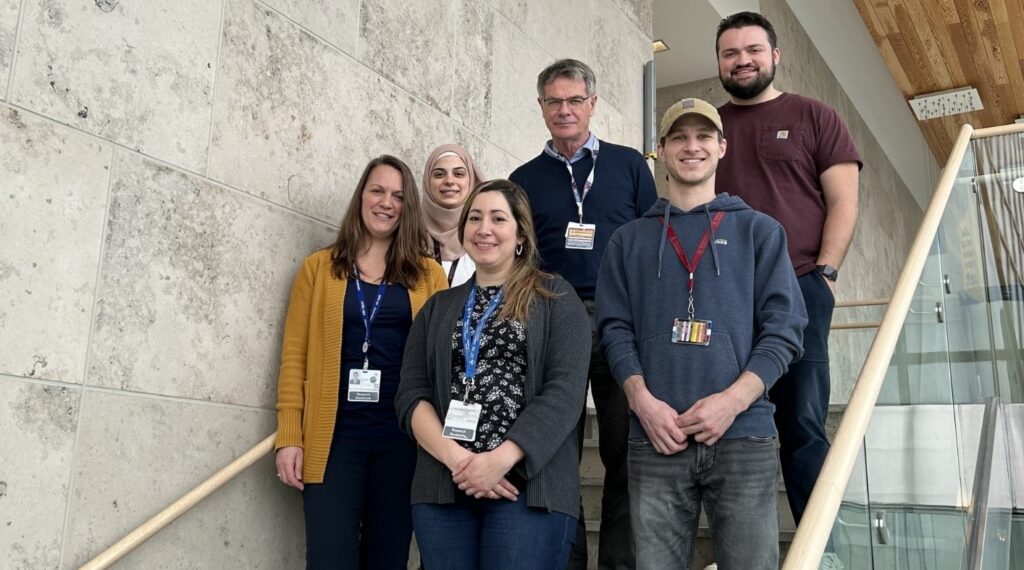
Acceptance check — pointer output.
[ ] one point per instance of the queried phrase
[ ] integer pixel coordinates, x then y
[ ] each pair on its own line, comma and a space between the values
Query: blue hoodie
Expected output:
744, 284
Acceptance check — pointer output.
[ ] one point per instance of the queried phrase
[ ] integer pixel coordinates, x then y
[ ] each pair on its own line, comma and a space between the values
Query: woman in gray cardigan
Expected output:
493, 381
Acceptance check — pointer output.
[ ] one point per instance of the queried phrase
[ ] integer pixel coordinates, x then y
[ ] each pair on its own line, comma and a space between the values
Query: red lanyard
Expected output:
697, 255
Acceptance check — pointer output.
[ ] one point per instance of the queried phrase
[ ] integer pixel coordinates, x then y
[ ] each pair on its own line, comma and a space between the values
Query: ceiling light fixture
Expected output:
946, 103
659, 46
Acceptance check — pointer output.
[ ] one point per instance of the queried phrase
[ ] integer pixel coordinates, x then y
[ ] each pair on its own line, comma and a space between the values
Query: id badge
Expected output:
363, 385
461, 421
691, 331
580, 236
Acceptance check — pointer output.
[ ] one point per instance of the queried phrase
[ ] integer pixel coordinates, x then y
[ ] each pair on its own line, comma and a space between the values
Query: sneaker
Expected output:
829, 561
711, 566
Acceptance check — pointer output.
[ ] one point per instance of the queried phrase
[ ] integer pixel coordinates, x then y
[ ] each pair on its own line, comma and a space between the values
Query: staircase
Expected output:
592, 484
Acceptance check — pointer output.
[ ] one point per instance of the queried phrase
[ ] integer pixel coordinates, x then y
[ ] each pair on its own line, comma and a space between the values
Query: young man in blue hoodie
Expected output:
700, 313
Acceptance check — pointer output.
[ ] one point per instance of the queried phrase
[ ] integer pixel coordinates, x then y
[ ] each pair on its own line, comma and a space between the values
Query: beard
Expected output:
759, 83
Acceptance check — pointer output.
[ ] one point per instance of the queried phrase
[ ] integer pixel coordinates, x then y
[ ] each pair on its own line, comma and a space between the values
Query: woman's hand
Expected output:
289, 466
482, 474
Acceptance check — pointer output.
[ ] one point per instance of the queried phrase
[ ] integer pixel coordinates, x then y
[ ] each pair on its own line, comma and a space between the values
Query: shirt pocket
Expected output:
780, 142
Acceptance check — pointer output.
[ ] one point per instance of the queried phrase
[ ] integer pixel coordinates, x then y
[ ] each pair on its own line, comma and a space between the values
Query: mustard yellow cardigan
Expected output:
309, 383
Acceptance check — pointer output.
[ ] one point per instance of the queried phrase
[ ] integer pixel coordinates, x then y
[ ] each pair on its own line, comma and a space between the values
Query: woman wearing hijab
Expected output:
338, 439
448, 177
493, 383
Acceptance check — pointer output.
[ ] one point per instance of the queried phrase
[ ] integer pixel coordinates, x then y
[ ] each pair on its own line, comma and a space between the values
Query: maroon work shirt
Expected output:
776, 153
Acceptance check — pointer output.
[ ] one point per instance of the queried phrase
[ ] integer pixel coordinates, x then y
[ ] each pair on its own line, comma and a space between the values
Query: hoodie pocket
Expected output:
681, 374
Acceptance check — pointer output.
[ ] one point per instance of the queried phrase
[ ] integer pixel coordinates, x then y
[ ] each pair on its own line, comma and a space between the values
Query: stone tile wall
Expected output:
164, 168
889, 215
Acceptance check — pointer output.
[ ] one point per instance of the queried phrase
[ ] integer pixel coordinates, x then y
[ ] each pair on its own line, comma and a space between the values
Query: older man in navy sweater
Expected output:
581, 190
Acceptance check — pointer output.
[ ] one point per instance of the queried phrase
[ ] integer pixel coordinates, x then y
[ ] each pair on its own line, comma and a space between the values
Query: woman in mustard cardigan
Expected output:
338, 439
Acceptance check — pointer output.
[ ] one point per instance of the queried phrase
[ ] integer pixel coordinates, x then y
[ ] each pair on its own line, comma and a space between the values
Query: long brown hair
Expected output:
404, 260
525, 280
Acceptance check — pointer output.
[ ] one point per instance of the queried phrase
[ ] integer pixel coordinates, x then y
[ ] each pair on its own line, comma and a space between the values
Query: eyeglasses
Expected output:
553, 103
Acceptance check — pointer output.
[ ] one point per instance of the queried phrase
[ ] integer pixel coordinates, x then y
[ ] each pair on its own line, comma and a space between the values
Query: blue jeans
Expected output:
474, 534
801, 399
737, 482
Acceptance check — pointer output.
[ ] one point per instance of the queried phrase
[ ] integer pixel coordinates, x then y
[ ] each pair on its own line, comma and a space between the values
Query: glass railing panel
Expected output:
913, 461
996, 545
999, 184
851, 542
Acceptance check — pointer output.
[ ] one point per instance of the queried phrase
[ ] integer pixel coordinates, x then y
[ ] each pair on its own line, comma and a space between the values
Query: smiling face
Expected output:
746, 61
567, 109
491, 234
382, 198
449, 181
691, 150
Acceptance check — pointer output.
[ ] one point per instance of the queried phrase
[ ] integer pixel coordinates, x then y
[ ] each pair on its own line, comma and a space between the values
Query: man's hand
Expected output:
709, 418
657, 418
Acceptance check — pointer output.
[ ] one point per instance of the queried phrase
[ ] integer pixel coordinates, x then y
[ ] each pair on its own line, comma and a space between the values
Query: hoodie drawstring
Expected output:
664, 236
714, 250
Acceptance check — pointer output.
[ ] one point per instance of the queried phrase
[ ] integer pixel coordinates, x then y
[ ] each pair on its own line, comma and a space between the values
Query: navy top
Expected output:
623, 190
373, 420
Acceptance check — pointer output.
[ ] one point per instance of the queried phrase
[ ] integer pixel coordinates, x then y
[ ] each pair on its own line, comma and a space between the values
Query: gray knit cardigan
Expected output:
558, 340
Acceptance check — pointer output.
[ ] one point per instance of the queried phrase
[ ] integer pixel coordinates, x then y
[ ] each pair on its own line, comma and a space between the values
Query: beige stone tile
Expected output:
296, 120
618, 60
38, 423
8, 30
515, 117
195, 283
53, 187
610, 125
138, 454
407, 43
559, 27
137, 73
335, 21
640, 13
493, 161
473, 67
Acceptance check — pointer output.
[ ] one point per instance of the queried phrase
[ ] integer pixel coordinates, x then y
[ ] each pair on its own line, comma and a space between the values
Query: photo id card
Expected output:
461, 421
363, 385
691, 331
580, 236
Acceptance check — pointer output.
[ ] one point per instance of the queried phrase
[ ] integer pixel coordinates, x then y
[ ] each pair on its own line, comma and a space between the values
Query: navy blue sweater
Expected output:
744, 284
623, 190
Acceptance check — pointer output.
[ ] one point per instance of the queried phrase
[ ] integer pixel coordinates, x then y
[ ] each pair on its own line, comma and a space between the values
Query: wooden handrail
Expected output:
997, 131
861, 303
852, 326
165, 517
816, 525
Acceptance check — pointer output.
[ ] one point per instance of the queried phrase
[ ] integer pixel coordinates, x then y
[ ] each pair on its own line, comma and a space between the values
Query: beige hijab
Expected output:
442, 223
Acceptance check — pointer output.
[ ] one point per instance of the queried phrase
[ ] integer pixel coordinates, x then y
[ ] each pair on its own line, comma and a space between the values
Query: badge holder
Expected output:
690, 330
462, 418
364, 384
580, 236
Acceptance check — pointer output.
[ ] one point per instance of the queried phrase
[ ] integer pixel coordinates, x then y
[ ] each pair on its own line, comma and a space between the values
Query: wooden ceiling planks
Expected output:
935, 45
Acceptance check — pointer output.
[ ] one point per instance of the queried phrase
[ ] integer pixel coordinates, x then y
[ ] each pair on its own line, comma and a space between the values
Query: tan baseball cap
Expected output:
685, 107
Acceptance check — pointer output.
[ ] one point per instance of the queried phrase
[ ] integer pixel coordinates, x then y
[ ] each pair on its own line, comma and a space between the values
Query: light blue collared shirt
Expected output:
550, 150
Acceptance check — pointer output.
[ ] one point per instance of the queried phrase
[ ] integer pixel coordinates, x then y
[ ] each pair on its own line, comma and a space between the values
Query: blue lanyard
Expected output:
471, 340
368, 319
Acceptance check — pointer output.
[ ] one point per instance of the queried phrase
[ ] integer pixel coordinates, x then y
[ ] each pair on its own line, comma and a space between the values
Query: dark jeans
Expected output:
801, 399
615, 551
359, 517
488, 534
736, 480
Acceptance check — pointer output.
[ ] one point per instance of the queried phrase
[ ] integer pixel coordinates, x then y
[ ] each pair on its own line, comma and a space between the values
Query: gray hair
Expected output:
570, 69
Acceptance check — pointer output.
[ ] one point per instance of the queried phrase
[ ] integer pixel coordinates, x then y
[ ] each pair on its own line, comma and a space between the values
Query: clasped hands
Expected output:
482, 475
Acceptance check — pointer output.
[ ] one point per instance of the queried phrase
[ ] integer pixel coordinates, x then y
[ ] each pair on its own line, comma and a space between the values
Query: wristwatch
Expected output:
827, 271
